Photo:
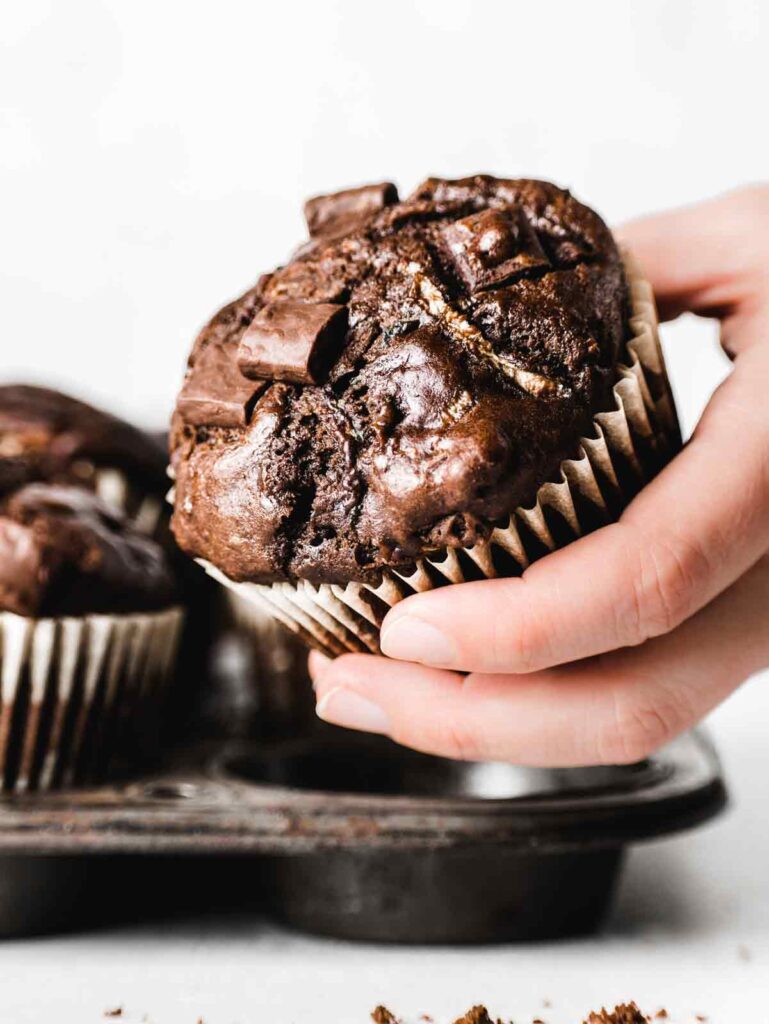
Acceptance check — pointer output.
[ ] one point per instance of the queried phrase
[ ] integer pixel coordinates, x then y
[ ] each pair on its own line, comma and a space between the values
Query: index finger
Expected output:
701, 258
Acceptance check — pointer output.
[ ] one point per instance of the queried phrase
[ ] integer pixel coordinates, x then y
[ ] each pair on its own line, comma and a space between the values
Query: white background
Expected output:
153, 160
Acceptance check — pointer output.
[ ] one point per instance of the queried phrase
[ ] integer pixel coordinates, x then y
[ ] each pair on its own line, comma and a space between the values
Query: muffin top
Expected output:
46, 435
413, 374
64, 552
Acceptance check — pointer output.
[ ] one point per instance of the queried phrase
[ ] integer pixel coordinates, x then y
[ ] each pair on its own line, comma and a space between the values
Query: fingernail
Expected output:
412, 639
344, 707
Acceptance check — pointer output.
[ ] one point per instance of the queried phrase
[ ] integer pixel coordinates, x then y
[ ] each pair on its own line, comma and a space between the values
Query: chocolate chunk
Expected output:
296, 342
340, 212
215, 393
564, 244
493, 248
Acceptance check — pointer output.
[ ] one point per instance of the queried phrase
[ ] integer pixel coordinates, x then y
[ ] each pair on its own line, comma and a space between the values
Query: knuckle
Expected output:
638, 736
637, 728
666, 588
518, 648
457, 739
520, 641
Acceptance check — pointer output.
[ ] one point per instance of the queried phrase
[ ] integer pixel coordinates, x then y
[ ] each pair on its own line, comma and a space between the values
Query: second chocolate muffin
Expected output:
89, 626
408, 381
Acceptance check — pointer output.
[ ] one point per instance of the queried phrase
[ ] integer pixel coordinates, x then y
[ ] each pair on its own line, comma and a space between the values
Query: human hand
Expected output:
606, 649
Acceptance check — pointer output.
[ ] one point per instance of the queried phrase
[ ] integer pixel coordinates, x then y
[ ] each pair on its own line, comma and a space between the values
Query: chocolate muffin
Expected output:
88, 634
412, 377
48, 436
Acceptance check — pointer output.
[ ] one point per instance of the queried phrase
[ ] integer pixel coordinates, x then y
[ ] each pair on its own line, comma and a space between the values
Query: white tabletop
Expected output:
690, 932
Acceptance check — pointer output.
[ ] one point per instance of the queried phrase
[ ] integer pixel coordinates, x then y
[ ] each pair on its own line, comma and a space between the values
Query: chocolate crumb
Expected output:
700, 1017
626, 1013
116, 1011
381, 1015
476, 1015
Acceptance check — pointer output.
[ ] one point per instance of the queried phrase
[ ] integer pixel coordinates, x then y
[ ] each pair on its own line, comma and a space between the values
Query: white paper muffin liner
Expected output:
69, 686
628, 446
277, 662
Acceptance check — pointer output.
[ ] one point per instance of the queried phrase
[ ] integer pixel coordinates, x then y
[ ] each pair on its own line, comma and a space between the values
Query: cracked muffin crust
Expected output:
415, 372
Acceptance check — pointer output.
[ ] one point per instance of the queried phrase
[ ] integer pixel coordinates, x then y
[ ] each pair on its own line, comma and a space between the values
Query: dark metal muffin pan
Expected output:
349, 836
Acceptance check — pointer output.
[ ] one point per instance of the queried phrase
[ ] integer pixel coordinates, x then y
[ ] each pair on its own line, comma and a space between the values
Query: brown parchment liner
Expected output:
69, 686
628, 446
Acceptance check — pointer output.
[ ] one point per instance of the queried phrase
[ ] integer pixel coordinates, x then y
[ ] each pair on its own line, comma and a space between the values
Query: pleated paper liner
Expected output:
627, 448
276, 665
73, 688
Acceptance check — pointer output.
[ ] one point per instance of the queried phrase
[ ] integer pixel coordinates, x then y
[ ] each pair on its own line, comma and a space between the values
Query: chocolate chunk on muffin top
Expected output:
413, 374
64, 552
46, 435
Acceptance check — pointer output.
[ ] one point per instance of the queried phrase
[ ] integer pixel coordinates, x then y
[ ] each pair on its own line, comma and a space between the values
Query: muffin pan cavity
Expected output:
349, 836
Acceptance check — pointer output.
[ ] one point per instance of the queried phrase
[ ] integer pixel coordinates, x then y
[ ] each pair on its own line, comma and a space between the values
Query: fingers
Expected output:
704, 258
317, 663
697, 527
613, 710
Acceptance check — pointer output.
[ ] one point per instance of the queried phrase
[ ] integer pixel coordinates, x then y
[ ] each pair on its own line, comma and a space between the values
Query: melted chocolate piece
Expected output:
340, 212
215, 393
297, 342
493, 248
64, 552
485, 320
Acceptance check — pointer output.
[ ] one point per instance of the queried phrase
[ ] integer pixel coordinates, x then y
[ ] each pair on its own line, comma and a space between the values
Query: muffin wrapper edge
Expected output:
630, 443
279, 677
68, 688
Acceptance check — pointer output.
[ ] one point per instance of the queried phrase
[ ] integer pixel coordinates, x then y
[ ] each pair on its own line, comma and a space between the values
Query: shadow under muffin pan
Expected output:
348, 836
